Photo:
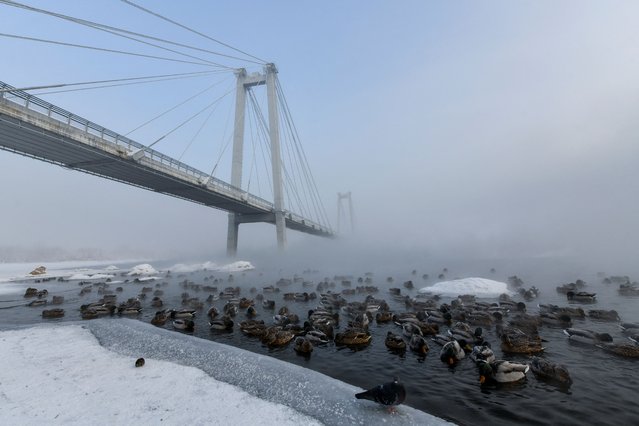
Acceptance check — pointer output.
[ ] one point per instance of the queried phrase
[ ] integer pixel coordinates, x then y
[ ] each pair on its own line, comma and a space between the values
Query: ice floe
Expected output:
77, 381
238, 266
88, 277
143, 269
60, 374
480, 287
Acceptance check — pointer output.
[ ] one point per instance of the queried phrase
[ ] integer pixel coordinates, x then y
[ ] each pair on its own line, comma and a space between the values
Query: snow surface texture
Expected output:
480, 287
313, 394
70, 270
76, 381
238, 266
143, 269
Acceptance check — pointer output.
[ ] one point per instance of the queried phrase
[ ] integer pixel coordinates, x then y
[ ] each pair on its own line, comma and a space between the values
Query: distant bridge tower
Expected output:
244, 83
341, 210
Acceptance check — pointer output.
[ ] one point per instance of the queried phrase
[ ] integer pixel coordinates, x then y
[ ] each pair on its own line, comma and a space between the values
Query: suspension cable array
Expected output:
302, 196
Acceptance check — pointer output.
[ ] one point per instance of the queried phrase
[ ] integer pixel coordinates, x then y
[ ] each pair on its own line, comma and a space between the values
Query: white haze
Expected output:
493, 130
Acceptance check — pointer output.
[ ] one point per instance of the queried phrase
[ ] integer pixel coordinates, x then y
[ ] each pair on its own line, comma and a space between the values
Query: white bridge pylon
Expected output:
244, 83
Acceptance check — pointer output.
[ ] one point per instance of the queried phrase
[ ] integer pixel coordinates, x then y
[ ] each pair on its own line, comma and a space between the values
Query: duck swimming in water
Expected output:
587, 337
353, 337
395, 342
184, 324
303, 346
483, 353
550, 371
581, 296
628, 350
501, 371
418, 344
453, 351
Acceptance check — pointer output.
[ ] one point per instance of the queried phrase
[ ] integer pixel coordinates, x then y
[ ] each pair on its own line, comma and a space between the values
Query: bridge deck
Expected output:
33, 127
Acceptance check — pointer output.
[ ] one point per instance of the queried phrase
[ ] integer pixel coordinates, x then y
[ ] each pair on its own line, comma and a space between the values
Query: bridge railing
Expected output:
61, 115
33, 103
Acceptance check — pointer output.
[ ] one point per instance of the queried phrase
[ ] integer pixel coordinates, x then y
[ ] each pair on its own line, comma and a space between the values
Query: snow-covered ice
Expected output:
76, 381
143, 269
238, 266
89, 277
481, 287
55, 374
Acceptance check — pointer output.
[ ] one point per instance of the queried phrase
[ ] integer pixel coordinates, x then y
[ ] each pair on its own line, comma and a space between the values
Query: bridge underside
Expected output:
24, 138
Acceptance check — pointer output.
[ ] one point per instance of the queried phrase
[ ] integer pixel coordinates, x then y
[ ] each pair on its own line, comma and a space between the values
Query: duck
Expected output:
629, 327
279, 338
410, 328
383, 317
550, 371
251, 312
556, 320
588, 337
225, 323
453, 351
418, 344
160, 318
317, 337
515, 341
353, 337
303, 346
501, 371
181, 314
184, 324
567, 310
125, 310
482, 353
604, 315
628, 350
268, 304
89, 313
581, 296
253, 328
53, 313
441, 339
212, 312
390, 394
395, 342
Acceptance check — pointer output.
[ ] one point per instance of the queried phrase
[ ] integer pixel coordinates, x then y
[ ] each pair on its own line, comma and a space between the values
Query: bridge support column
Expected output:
232, 236
276, 161
238, 155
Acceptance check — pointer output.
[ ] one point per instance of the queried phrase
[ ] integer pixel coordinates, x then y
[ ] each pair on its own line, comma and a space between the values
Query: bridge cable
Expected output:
52, 86
208, 117
118, 85
224, 147
115, 31
130, 3
303, 157
96, 25
265, 135
292, 195
190, 118
174, 107
302, 154
101, 49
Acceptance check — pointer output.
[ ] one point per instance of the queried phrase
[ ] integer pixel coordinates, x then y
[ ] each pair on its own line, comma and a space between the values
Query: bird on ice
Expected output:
390, 394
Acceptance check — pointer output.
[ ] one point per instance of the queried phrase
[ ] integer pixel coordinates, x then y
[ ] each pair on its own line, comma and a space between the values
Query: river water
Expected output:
604, 385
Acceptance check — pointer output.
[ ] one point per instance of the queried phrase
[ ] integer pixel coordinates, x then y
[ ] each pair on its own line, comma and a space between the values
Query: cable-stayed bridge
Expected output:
36, 128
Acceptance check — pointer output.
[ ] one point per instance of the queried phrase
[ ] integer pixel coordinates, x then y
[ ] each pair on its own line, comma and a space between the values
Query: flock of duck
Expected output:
456, 328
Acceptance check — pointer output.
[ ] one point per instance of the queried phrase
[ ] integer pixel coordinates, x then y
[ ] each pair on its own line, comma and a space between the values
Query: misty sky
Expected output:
490, 128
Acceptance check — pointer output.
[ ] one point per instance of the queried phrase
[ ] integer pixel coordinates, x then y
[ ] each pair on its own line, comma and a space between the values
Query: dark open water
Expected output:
604, 386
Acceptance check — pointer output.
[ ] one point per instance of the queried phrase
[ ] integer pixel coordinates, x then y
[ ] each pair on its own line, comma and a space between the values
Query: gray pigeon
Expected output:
392, 393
